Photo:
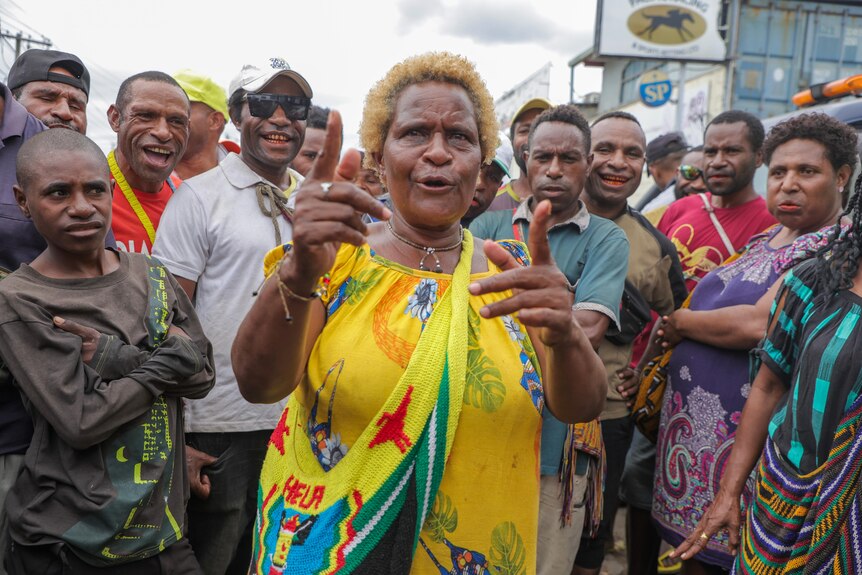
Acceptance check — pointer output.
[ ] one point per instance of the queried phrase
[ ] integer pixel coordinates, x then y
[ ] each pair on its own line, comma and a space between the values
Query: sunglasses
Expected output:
264, 105
690, 172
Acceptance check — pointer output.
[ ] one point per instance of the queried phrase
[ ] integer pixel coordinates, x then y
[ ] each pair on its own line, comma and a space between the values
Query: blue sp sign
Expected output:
655, 88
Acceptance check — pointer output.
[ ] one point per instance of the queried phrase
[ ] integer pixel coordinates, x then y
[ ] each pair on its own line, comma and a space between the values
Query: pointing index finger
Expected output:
323, 169
540, 250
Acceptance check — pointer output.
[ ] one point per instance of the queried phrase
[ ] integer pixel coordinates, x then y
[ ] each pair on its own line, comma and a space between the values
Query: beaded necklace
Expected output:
429, 251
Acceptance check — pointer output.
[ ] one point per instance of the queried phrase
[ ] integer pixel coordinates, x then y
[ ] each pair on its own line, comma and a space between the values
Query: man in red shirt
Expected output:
707, 228
151, 119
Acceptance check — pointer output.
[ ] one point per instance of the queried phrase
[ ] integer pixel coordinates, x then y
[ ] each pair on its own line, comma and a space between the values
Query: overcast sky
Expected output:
341, 47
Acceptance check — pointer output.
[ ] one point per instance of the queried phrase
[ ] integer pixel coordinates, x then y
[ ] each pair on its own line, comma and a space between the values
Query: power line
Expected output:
17, 19
20, 41
16, 38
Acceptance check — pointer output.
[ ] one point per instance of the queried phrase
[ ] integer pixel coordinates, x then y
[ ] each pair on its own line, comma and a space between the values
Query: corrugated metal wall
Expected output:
784, 47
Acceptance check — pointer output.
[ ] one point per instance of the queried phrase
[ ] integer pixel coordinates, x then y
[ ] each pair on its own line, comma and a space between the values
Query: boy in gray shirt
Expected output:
103, 346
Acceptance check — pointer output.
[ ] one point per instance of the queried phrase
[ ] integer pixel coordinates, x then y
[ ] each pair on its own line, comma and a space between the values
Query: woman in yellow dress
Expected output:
410, 441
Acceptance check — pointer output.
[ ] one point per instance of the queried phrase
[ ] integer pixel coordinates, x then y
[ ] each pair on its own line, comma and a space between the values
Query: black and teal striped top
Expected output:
816, 350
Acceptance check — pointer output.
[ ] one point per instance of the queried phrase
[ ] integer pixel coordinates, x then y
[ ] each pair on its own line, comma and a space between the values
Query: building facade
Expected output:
775, 49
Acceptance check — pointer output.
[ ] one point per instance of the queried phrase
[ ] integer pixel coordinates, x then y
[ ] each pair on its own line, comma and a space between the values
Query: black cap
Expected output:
665, 145
33, 66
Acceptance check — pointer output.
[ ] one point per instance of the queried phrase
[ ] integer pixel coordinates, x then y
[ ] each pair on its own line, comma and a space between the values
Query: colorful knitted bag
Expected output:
812, 523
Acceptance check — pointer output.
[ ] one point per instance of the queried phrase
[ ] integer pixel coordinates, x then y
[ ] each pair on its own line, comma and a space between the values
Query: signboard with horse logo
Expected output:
661, 29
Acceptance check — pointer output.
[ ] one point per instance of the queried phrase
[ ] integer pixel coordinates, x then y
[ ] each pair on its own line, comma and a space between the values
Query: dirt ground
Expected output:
615, 561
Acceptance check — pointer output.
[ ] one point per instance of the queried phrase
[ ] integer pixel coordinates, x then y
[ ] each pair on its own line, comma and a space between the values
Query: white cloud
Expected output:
413, 13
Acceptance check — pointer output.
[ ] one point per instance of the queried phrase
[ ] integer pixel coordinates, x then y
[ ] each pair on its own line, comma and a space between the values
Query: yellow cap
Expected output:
532, 104
202, 89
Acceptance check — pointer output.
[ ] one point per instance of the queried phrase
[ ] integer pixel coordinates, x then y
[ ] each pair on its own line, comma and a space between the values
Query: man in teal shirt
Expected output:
593, 254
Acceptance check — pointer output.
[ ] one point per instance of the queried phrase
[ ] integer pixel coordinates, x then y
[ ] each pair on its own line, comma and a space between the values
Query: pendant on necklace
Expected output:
438, 267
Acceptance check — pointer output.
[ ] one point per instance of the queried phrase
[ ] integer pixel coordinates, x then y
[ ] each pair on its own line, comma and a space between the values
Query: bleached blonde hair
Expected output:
428, 67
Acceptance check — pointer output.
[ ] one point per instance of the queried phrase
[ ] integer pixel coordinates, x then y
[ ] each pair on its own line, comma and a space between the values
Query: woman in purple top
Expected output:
810, 160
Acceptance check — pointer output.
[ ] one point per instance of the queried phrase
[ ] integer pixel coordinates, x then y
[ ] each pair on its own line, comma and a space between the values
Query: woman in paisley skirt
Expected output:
810, 159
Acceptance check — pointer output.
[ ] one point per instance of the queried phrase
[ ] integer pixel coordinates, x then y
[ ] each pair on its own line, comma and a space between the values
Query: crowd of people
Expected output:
279, 356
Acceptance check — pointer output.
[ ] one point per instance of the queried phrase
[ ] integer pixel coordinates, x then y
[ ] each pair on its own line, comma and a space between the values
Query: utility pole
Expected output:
680, 98
20, 41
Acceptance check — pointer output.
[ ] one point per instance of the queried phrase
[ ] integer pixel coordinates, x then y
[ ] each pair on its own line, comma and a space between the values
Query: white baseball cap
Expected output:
504, 154
253, 77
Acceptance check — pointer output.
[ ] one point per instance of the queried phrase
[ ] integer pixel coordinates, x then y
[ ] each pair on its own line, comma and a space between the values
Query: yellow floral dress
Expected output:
484, 516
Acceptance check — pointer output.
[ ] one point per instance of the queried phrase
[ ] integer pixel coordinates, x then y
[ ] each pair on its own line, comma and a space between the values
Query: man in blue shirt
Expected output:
593, 254
19, 240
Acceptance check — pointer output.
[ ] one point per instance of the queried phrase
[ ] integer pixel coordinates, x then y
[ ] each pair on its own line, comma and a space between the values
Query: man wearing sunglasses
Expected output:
212, 238
689, 175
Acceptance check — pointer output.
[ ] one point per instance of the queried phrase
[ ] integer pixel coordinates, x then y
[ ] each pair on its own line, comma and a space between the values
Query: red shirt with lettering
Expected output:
129, 232
698, 243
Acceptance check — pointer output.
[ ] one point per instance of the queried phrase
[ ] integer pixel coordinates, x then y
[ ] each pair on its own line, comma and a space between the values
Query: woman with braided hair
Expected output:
801, 422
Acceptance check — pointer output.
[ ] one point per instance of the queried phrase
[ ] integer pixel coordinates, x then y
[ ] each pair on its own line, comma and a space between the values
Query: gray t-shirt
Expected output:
105, 472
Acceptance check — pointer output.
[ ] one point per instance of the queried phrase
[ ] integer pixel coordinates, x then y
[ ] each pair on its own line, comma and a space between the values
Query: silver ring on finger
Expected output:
325, 187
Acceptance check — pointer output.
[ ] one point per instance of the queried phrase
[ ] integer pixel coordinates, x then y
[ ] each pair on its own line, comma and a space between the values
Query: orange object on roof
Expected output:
851, 85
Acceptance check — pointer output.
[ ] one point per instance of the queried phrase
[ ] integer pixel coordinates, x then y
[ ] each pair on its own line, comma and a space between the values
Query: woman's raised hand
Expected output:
543, 297
328, 211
